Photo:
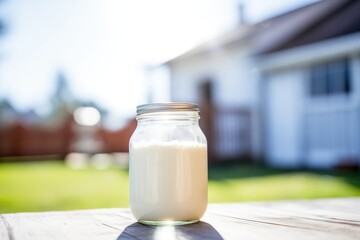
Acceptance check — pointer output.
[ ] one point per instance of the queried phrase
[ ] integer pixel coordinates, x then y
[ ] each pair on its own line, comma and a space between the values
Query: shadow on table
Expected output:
200, 230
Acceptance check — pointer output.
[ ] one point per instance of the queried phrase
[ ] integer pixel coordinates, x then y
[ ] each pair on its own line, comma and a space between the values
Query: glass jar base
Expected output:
167, 223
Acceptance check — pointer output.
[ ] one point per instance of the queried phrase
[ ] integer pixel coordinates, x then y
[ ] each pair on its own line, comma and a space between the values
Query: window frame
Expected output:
322, 82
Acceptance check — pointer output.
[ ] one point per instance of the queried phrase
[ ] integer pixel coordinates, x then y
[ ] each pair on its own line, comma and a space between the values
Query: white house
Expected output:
310, 89
297, 75
222, 68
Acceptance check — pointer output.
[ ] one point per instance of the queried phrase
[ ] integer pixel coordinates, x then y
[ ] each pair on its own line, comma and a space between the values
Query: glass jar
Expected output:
168, 165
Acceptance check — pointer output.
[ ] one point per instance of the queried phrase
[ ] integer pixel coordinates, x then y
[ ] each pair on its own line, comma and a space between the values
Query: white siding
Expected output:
283, 122
298, 131
301, 130
234, 79
229, 69
332, 132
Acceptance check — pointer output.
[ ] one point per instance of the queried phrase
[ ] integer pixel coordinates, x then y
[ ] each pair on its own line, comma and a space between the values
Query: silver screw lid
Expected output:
166, 107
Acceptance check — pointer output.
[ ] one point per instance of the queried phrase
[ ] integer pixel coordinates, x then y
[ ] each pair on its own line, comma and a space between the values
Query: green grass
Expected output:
53, 186
45, 186
249, 183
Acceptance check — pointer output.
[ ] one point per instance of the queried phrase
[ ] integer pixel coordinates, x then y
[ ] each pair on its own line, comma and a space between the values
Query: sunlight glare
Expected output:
87, 116
165, 232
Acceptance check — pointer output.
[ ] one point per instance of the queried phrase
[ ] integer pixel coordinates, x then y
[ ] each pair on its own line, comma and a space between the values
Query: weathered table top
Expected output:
310, 219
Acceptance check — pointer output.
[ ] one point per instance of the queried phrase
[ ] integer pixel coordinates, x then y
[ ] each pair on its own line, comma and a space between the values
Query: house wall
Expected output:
303, 130
332, 130
233, 76
230, 70
290, 128
283, 118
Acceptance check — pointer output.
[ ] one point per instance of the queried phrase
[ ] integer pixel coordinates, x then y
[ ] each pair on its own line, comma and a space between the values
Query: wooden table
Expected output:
309, 219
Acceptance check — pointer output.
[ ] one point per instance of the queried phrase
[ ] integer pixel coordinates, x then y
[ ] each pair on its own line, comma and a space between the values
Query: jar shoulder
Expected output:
167, 133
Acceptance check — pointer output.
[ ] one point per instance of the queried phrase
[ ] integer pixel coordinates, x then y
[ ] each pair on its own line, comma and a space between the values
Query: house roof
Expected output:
225, 39
315, 22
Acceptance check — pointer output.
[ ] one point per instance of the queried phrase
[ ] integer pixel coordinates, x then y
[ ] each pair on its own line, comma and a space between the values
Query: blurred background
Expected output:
278, 84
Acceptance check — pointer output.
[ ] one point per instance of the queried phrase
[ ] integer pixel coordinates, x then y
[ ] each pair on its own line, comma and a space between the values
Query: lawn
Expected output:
43, 186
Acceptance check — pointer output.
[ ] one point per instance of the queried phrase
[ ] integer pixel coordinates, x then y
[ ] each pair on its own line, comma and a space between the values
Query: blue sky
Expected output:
104, 46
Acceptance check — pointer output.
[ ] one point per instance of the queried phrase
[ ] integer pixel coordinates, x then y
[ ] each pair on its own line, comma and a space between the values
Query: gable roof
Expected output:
225, 39
315, 22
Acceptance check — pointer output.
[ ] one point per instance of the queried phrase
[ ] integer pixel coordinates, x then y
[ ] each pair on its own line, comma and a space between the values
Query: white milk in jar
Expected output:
168, 165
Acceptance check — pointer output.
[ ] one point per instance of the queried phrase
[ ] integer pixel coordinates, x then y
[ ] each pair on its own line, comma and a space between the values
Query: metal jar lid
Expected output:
166, 107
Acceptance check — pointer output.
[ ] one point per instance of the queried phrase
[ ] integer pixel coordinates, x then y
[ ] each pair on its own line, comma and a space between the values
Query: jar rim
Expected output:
167, 107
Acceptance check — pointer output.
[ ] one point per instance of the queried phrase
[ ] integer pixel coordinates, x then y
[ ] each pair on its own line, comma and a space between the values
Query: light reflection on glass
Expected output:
165, 232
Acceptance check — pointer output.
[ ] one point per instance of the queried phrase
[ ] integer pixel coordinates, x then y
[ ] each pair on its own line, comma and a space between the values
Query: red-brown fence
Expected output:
32, 140
227, 131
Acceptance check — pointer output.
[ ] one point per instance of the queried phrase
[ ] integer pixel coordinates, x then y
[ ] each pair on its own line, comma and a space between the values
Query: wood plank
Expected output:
312, 219
318, 219
91, 224
4, 233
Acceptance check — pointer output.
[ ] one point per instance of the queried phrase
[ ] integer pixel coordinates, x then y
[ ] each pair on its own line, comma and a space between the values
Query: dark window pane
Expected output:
330, 78
319, 86
318, 81
339, 81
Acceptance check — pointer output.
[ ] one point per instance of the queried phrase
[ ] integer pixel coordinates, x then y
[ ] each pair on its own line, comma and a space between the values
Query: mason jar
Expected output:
168, 165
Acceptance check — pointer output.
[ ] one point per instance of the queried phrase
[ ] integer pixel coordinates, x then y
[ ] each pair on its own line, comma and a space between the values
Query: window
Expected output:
330, 78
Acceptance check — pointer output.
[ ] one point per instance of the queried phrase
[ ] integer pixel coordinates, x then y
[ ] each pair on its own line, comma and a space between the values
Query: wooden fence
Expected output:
36, 140
228, 131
